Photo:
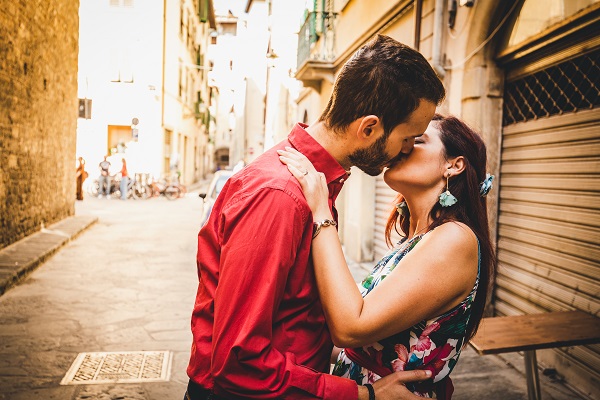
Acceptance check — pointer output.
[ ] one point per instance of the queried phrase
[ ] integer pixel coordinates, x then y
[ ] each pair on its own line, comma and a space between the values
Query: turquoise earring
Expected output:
402, 208
446, 198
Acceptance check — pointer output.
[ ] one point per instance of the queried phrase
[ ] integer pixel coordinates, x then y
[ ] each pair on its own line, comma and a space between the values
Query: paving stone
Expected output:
20, 258
128, 283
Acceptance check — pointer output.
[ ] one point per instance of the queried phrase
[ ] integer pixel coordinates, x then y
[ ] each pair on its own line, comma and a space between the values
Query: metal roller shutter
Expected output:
384, 204
549, 207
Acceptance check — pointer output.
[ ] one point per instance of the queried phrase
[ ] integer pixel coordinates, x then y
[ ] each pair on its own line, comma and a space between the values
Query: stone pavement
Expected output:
127, 282
22, 257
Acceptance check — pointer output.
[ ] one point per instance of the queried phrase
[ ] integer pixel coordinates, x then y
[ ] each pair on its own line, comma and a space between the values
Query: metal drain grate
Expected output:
119, 367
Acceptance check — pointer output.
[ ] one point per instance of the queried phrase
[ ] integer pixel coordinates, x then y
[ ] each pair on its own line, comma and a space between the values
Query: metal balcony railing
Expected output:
316, 39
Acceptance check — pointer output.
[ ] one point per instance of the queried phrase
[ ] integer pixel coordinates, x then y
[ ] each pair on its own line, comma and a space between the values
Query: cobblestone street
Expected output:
127, 284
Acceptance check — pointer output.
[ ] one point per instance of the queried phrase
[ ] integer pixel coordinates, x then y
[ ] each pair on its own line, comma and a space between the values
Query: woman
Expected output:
80, 176
437, 278
124, 179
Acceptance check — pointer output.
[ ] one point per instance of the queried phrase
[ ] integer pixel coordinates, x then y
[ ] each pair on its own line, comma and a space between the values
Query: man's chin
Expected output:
372, 171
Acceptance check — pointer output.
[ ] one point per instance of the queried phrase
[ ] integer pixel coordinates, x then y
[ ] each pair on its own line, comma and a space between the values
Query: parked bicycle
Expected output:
170, 188
137, 188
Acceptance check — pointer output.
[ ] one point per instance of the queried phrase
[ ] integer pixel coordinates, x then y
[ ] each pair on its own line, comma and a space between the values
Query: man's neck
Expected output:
334, 143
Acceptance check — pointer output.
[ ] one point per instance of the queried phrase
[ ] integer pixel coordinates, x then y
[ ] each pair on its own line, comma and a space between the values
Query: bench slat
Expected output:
536, 331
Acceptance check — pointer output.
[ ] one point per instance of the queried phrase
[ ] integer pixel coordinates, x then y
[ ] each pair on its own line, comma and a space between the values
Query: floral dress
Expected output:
433, 344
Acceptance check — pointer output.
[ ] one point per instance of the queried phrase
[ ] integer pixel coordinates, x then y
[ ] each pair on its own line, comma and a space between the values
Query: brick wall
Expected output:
38, 114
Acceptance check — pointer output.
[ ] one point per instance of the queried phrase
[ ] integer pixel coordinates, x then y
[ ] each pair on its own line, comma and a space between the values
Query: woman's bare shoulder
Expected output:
453, 242
455, 233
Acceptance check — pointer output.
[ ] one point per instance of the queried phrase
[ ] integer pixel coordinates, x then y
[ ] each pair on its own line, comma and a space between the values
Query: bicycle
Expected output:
167, 188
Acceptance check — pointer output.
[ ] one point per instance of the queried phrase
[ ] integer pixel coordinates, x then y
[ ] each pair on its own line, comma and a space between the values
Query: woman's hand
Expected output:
313, 183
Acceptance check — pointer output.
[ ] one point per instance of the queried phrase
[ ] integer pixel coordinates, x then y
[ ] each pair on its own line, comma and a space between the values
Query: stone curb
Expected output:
20, 258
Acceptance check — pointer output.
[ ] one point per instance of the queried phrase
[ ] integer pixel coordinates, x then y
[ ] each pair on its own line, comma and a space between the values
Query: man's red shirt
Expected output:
258, 325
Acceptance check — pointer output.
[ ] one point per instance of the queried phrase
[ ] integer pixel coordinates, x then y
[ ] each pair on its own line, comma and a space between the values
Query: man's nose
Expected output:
407, 145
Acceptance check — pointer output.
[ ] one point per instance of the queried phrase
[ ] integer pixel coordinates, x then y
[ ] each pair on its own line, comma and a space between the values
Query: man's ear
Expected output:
367, 126
456, 165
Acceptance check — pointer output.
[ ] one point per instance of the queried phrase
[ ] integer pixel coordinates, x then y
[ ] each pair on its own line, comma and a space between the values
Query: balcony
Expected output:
316, 49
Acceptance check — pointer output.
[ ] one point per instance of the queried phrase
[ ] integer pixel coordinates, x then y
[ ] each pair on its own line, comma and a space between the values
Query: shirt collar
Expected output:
321, 159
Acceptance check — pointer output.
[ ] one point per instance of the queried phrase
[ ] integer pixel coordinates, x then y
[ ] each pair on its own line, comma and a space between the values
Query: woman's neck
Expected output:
420, 210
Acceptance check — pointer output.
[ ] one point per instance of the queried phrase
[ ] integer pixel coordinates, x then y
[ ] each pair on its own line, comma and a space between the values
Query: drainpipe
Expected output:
418, 16
438, 31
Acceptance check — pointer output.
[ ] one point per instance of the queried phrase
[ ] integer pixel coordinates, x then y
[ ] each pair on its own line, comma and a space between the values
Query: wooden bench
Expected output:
528, 333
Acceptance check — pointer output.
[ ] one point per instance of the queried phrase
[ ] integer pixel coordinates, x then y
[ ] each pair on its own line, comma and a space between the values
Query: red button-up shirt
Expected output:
258, 325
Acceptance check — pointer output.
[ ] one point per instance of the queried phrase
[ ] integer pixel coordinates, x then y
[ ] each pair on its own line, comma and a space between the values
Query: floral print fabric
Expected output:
433, 344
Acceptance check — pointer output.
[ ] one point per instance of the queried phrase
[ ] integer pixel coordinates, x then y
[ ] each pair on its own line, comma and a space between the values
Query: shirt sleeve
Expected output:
260, 237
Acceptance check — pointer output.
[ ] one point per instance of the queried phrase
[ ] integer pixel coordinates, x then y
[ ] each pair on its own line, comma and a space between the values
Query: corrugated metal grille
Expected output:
384, 203
549, 222
569, 86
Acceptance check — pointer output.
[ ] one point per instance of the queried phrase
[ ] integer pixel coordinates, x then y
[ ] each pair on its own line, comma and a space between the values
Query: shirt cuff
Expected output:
339, 388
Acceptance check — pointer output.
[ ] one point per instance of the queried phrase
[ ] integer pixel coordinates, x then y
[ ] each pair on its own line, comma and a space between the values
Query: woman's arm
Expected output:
434, 277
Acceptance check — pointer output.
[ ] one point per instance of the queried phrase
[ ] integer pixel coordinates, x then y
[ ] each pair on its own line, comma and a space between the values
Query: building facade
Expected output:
523, 74
38, 98
146, 83
253, 53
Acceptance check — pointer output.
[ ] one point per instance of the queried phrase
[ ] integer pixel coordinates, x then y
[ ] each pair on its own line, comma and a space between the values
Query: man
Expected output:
258, 326
105, 179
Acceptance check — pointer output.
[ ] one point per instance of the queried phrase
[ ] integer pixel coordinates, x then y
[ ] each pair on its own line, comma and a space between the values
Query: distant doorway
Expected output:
118, 138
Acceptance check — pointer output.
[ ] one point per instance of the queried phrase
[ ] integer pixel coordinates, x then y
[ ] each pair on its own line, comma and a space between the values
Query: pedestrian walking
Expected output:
105, 179
124, 179
80, 176
258, 325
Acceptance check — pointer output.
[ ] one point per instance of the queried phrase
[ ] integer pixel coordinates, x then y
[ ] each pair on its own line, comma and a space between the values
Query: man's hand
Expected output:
392, 386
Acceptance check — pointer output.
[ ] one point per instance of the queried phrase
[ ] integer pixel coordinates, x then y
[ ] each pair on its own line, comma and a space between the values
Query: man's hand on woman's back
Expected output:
392, 387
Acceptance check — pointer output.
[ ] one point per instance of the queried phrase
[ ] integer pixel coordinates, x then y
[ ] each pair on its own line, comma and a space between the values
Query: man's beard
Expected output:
373, 159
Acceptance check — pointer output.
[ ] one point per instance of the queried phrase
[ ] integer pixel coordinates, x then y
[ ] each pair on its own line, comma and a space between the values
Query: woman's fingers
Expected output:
292, 156
290, 162
295, 171
312, 182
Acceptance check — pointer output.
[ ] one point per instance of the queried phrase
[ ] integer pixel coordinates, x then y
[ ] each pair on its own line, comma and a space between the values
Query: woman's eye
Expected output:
417, 141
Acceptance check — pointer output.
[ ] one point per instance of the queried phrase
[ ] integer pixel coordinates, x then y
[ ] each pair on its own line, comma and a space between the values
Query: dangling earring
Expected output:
402, 208
446, 198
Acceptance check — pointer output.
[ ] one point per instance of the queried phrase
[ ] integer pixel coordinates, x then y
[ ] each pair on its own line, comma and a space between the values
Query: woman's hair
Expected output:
384, 78
459, 139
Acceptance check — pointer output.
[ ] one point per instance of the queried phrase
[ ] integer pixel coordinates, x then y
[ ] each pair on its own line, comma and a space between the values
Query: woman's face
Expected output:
423, 168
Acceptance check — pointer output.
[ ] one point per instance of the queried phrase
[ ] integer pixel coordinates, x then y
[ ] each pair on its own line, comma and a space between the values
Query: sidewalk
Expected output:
21, 258
120, 276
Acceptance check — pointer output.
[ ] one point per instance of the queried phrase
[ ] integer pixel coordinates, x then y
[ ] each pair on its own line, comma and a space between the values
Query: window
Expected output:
167, 151
120, 3
120, 65
229, 28
181, 19
203, 10
566, 87
180, 79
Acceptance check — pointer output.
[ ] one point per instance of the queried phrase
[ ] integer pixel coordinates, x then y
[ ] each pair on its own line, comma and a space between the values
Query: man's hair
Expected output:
384, 78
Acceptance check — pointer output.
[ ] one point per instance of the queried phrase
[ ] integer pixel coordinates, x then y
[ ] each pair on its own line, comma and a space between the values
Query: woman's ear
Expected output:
456, 165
